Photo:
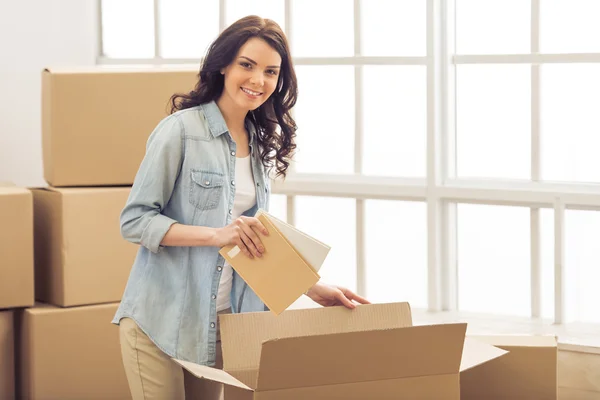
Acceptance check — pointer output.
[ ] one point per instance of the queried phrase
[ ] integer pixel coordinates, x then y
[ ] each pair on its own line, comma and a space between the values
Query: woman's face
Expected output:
252, 76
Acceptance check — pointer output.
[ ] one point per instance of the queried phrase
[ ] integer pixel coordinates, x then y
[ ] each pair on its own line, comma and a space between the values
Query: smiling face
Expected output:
252, 76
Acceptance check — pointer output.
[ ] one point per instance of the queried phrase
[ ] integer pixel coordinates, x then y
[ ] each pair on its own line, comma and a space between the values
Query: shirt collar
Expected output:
216, 122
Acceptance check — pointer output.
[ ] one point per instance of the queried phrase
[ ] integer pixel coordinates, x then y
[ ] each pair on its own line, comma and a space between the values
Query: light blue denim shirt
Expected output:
186, 176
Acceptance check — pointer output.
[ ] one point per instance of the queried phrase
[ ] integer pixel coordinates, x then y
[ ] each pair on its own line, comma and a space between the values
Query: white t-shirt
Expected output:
245, 199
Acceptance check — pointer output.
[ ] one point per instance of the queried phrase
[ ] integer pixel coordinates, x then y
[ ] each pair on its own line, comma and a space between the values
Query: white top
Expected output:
245, 199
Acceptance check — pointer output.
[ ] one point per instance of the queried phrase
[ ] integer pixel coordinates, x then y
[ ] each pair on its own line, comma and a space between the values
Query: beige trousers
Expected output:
152, 374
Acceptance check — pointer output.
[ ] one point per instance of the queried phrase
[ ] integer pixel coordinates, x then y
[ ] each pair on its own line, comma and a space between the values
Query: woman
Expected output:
204, 176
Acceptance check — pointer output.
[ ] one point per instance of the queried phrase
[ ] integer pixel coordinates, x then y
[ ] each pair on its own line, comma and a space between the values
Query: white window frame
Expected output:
441, 189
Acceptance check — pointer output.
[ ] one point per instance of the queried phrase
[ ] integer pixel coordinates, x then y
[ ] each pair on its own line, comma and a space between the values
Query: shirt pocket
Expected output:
206, 189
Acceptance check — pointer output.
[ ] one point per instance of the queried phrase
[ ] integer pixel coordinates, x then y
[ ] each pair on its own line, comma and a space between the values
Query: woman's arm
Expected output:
188, 235
141, 219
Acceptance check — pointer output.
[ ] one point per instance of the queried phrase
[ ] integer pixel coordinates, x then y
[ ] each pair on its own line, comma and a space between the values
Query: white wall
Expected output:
35, 34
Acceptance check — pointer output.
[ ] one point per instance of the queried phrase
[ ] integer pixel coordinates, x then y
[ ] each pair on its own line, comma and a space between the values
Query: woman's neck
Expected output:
234, 116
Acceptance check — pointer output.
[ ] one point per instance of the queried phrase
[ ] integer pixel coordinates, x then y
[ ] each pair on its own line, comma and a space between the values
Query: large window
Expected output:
446, 148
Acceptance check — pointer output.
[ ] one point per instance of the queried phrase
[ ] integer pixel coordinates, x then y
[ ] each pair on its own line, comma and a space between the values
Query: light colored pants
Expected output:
152, 374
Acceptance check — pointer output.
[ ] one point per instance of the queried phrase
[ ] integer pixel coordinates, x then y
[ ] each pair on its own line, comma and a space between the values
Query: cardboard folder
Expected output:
288, 268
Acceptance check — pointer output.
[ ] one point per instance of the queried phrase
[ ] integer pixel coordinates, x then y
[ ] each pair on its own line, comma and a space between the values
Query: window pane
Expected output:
547, 260
333, 222
325, 117
569, 121
395, 120
569, 26
278, 206
128, 28
493, 26
187, 27
494, 121
322, 28
494, 259
396, 252
408, 17
271, 9
582, 258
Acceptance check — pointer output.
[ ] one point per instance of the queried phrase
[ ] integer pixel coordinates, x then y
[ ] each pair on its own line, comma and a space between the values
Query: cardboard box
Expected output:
528, 371
16, 248
7, 360
372, 352
96, 121
80, 255
69, 353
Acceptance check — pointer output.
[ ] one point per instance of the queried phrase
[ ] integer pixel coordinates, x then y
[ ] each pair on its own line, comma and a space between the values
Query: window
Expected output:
187, 27
396, 251
569, 26
494, 259
118, 39
570, 96
493, 121
331, 221
394, 132
466, 158
272, 9
481, 26
325, 118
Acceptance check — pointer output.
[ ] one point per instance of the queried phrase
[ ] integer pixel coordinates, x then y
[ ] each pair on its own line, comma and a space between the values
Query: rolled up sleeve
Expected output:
142, 221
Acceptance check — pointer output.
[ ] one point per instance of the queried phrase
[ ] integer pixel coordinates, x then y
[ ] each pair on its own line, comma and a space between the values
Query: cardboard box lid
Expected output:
13, 190
99, 69
84, 190
279, 352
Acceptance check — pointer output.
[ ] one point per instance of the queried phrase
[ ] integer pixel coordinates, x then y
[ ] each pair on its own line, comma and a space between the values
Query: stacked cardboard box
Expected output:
95, 124
16, 274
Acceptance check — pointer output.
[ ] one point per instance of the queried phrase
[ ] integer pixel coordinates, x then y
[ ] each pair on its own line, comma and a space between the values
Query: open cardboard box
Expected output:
372, 351
528, 371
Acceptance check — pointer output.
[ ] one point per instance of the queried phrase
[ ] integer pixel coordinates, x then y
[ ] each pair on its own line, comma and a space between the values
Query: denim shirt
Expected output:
186, 176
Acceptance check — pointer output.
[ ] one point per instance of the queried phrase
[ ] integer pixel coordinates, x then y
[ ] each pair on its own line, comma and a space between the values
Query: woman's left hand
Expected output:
331, 295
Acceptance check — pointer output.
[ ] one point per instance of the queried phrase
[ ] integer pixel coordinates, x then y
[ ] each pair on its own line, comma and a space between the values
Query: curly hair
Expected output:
277, 145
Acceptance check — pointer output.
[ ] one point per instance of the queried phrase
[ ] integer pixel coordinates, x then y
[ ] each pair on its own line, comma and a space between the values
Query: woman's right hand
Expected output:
245, 233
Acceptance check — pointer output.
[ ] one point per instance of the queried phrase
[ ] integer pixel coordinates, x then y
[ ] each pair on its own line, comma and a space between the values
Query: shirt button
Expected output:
258, 184
233, 153
230, 212
207, 183
232, 183
214, 297
212, 324
219, 269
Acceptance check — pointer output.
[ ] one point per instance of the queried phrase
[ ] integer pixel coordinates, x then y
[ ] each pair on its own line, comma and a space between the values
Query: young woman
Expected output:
204, 176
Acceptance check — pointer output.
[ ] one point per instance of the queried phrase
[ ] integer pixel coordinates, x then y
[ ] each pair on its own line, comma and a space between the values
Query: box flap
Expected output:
212, 374
476, 353
242, 350
517, 340
361, 356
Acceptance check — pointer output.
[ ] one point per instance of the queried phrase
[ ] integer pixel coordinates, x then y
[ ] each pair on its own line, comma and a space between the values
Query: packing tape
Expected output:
234, 252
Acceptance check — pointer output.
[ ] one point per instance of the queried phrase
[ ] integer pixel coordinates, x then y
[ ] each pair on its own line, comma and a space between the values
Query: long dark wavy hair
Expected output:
277, 147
